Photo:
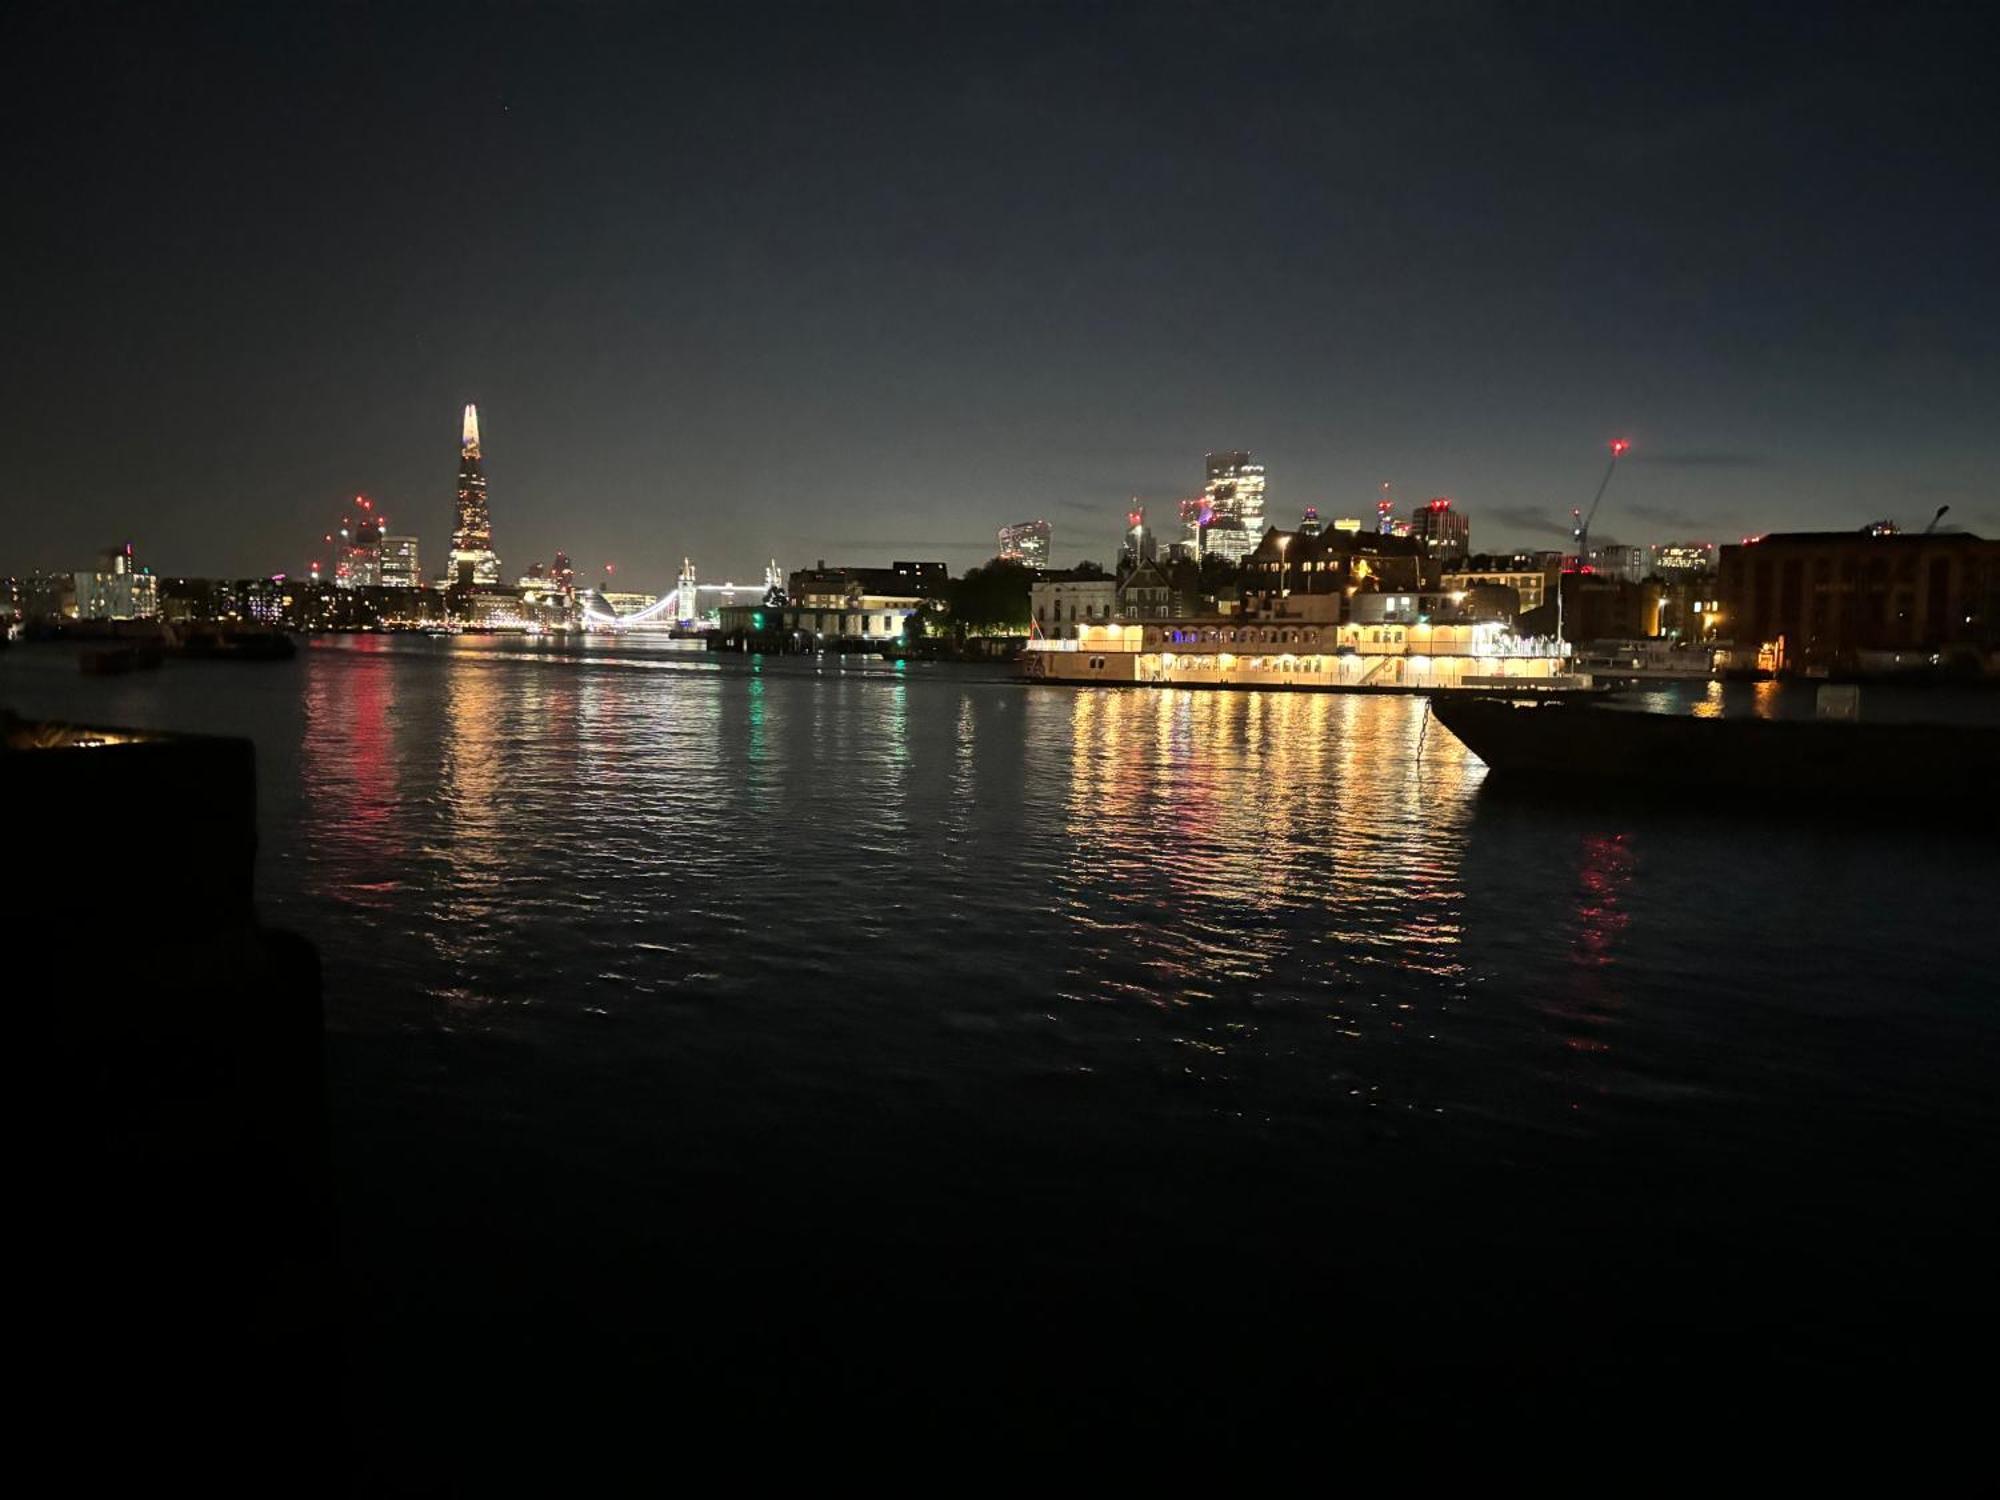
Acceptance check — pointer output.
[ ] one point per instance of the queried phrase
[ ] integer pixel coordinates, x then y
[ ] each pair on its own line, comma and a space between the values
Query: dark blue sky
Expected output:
861, 282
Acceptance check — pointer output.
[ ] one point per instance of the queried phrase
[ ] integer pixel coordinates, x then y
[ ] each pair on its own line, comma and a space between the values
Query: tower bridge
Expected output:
680, 608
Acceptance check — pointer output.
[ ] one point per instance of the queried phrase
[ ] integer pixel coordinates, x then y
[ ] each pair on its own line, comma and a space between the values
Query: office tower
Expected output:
1620, 561
1684, 557
472, 559
119, 590
400, 567
1139, 545
1445, 533
1235, 496
1026, 542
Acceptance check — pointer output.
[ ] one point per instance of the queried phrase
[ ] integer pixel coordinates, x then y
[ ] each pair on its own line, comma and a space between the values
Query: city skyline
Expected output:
471, 550
806, 334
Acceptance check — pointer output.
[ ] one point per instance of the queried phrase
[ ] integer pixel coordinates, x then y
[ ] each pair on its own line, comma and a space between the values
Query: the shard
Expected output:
472, 560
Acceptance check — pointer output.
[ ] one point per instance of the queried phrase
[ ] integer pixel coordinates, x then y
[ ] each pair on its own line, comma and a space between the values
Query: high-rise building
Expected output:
119, 590
1309, 521
1196, 514
1235, 496
1026, 542
363, 565
1139, 545
472, 559
1684, 557
1619, 561
356, 540
400, 567
1445, 533
364, 558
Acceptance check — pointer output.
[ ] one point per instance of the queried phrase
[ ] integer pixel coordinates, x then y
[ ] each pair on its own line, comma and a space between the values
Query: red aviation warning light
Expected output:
1619, 445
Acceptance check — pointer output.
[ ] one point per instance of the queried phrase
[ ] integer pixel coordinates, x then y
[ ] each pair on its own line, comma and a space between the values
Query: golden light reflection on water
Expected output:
472, 849
1289, 840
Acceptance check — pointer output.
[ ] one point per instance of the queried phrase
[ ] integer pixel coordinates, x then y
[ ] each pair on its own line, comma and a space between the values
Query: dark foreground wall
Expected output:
169, 1083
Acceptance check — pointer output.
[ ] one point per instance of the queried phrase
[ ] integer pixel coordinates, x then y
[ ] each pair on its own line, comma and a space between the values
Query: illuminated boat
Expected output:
1579, 743
1386, 656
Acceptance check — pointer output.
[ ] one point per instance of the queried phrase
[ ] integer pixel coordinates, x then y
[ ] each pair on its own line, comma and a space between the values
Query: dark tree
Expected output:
992, 600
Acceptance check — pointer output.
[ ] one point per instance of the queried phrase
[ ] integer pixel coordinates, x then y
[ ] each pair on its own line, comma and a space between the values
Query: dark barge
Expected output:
1583, 743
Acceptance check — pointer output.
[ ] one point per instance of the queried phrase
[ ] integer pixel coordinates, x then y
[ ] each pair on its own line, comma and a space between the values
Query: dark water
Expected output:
912, 1054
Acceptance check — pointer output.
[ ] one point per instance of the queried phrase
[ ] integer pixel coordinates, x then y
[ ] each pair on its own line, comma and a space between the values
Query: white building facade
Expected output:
1059, 605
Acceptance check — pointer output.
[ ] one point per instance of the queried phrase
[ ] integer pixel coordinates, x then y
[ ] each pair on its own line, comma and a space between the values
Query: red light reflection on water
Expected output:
1604, 873
351, 775
1607, 870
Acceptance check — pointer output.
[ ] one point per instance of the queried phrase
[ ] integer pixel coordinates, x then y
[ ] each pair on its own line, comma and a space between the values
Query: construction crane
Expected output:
1583, 520
1618, 447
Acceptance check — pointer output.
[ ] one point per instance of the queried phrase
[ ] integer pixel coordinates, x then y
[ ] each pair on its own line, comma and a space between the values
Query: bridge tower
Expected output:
688, 611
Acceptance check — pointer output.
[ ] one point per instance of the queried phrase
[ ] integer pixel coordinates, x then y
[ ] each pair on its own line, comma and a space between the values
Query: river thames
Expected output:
910, 1046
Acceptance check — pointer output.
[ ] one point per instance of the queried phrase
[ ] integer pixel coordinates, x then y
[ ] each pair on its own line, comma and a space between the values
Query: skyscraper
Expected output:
401, 567
1684, 557
1139, 545
1235, 493
472, 559
1445, 533
1026, 542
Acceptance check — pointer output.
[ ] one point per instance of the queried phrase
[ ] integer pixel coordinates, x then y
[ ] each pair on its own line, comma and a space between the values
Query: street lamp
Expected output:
1284, 570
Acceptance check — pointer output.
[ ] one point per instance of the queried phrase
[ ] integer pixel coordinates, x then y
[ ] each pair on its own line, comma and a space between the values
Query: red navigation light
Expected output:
1440, 503
1619, 446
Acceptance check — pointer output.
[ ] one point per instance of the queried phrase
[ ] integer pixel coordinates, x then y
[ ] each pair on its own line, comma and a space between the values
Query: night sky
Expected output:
862, 283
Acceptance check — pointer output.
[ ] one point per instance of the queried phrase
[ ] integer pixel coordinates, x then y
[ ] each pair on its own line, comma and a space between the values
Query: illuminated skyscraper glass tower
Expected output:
1235, 496
472, 559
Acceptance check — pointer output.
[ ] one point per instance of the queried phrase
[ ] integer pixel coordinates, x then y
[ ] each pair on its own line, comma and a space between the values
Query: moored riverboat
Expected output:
1576, 744
1301, 655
